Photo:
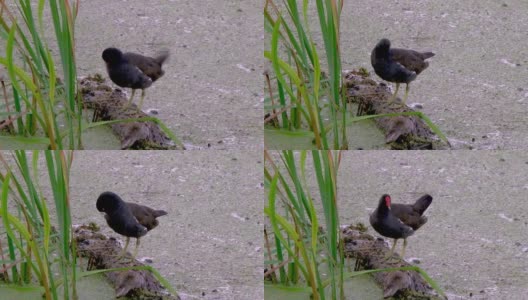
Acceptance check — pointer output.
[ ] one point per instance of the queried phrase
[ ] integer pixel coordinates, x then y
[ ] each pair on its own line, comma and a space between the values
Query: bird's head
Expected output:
112, 55
382, 48
385, 201
108, 202
384, 43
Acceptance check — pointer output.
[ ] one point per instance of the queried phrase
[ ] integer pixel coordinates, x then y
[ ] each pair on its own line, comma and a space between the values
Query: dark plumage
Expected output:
412, 214
399, 221
128, 219
135, 71
145, 215
398, 65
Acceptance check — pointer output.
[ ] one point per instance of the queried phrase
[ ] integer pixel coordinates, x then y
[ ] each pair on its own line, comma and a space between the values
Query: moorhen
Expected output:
399, 221
131, 70
398, 65
126, 218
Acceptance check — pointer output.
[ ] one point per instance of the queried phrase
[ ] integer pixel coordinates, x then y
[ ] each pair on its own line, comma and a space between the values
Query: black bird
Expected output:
398, 65
399, 221
135, 71
126, 218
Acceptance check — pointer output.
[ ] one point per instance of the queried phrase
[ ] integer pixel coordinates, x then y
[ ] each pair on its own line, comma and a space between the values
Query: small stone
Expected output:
415, 261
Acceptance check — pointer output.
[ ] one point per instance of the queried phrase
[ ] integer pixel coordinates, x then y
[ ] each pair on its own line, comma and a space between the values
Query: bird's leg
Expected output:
393, 98
406, 93
403, 251
123, 252
131, 97
391, 250
137, 246
141, 101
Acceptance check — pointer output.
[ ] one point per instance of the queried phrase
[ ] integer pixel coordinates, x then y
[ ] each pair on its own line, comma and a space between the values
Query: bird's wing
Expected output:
140, 80
404, 227
147, 65
410, 59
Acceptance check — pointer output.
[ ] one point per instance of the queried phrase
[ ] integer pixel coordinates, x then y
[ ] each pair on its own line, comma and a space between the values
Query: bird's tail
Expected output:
162, 56
159, 213
423, 203
427, 55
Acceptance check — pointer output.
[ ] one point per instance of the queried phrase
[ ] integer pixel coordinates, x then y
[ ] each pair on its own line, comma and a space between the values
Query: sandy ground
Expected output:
475, 240
208, 247
211, 94
475, 87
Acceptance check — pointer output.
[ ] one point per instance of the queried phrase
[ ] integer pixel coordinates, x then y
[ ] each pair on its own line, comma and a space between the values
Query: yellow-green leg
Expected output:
131, 97
393, 98
137, 246
391, 250
123, 252
403, 251
406, 93
141, 101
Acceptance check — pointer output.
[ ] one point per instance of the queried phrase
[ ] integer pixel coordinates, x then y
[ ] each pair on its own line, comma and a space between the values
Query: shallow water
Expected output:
356, 288
360, 135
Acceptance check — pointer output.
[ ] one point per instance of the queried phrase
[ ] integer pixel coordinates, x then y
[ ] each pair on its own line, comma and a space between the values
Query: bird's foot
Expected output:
396, 104
390, 259
121, 255
126, 107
